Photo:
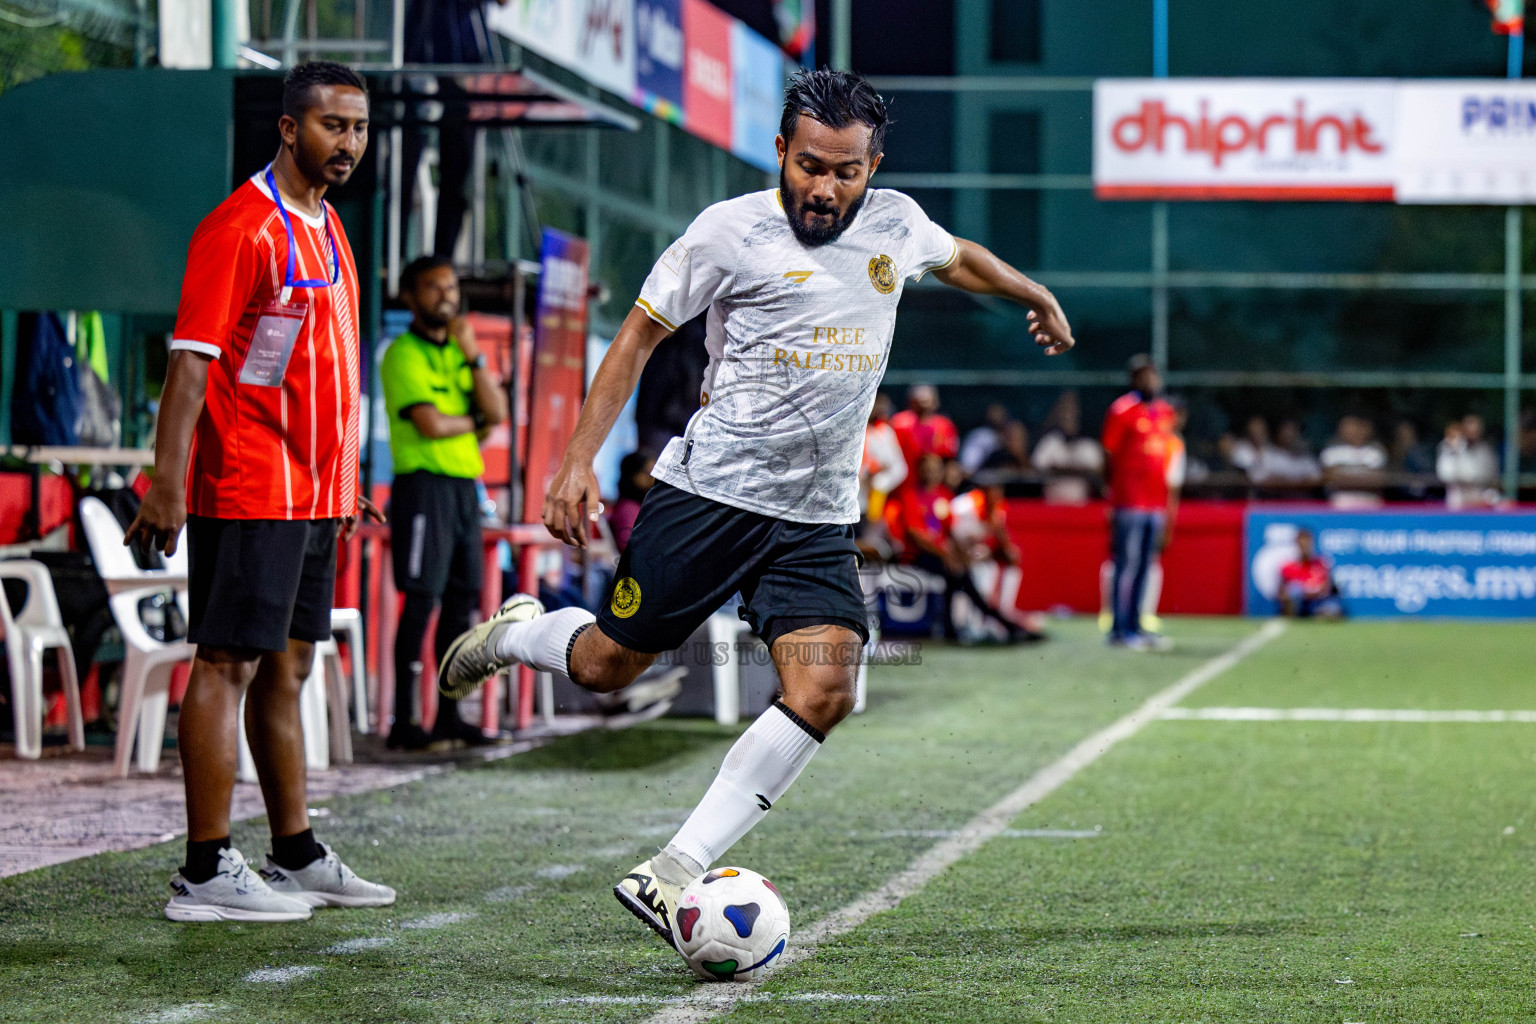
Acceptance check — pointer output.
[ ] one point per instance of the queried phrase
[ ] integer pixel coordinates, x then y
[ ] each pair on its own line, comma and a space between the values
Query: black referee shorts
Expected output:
255, 584
435, 534
688, 555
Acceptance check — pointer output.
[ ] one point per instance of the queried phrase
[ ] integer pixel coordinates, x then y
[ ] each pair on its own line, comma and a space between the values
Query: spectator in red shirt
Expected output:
264, 374
1138, 433
1307, 589
634, 480
921, 429
920, 520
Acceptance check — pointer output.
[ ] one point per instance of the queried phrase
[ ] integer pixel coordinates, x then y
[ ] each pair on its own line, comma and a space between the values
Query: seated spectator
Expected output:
1354, 465
1409, 462
1468, 466
1307, 589
1012, 457
1528, 441
921, 428
634, 480
919, 519
1250, 451
985, 439
1290, 467
1071, 463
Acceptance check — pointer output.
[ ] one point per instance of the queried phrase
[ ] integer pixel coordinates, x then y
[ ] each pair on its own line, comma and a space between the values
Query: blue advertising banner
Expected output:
757, 97
1437, 564
659, 58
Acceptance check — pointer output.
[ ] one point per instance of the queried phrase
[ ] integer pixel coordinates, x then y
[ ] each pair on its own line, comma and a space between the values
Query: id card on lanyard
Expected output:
278, 326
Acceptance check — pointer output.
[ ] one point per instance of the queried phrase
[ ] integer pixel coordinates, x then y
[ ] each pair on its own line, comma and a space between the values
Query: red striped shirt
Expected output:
288, 452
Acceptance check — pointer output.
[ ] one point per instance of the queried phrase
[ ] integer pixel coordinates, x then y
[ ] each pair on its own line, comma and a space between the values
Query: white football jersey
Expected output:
798, 338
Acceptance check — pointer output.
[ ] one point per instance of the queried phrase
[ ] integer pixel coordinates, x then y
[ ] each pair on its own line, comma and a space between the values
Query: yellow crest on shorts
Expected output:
882, 274
626, 597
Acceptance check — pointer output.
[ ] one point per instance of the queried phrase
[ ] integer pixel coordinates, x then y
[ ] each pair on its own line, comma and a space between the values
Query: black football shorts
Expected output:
688, 555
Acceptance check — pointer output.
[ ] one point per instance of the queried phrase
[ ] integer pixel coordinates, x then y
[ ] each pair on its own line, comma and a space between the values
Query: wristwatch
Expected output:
478, 363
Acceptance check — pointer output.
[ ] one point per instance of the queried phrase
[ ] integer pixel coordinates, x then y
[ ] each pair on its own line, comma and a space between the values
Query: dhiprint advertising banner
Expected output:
1205, 138
1389, 564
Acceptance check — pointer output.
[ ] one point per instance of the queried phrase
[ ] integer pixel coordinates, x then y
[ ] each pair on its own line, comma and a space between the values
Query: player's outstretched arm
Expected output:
977, 270
575, 485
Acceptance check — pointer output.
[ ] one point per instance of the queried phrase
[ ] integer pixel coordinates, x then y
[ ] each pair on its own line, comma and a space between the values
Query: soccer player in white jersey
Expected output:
760, 496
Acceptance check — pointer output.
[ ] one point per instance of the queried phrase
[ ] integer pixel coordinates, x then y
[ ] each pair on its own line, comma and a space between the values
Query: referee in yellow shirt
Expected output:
441, 400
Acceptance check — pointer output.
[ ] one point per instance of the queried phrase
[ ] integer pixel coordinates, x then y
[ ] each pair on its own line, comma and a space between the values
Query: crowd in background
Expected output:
1062, 461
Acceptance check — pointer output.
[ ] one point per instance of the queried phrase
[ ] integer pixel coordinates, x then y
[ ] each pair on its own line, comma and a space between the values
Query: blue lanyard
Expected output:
288, 281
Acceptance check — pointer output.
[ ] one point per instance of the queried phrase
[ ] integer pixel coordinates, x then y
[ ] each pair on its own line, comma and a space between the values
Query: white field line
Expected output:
987, 825
1007, 833
1342, 715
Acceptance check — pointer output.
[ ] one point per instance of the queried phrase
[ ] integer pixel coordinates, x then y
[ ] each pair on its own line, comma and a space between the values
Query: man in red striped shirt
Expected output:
256, 452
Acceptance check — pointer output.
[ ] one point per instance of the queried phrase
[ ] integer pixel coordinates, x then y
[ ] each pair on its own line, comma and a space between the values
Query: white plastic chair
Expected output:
37, 627
147, 662
318, 726
349, 622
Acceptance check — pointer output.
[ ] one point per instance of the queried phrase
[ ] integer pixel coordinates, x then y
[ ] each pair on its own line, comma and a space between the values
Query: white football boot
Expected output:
326, 882
472, 659
235, 893
650, 899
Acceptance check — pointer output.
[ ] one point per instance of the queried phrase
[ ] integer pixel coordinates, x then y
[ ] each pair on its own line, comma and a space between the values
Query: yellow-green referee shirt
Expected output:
415, 372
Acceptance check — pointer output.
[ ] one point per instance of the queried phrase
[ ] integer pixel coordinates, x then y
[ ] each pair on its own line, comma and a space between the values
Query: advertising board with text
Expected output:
1203, 138
1390, 563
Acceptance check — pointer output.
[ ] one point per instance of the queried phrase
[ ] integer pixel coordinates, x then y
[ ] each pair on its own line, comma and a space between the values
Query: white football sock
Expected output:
543, 642
757, 770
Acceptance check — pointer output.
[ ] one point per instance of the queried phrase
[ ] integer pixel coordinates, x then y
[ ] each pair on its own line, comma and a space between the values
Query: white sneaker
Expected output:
326, 883
235, 893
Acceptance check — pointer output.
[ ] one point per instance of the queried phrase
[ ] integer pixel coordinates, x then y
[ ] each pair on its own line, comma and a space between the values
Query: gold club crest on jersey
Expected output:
882, 274
626, 597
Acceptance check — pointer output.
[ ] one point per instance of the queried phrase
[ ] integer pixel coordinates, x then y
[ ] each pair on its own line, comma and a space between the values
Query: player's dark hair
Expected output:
301, 80
837, 99
418, 266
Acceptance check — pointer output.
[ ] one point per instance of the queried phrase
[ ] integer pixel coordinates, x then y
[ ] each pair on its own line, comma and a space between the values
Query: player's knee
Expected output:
831, 700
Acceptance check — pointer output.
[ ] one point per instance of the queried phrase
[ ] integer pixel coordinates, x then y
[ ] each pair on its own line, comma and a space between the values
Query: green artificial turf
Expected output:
1244, 872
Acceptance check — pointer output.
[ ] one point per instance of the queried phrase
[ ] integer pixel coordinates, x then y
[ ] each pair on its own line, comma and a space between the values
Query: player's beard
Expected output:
794, 209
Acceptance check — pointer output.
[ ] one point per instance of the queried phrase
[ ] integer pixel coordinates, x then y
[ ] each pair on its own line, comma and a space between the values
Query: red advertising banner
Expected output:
559, 363
707, 72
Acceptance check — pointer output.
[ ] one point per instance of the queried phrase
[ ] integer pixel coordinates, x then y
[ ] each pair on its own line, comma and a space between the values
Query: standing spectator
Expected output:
1137, 433
884, 466
634, 480
920, 520
1354, 465
269, 483
985, 439
922, 429
1011, 457
439, 396
1071, 463
1468, 466
1307, 589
